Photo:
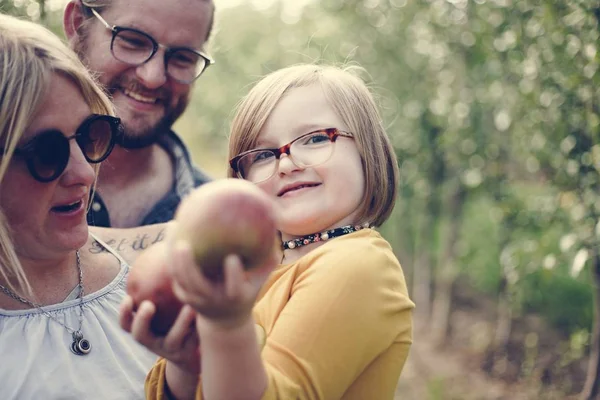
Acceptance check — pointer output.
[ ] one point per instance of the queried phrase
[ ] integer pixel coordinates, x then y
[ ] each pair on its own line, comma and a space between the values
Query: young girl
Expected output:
333, 319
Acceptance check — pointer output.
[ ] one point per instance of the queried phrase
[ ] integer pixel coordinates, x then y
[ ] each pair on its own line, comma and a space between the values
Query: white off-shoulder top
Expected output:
36, 361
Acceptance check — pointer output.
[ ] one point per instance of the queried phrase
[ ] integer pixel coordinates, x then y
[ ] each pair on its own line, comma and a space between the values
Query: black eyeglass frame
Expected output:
169, 51
332, 133
27, 151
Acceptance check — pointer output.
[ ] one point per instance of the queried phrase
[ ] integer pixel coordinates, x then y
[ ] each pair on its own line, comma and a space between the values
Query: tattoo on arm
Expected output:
141, 242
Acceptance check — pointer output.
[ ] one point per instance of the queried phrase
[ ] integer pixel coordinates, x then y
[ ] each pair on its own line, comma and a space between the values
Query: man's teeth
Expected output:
139, 97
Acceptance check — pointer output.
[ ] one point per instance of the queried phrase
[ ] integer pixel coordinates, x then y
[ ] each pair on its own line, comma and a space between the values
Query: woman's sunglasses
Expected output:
47, 155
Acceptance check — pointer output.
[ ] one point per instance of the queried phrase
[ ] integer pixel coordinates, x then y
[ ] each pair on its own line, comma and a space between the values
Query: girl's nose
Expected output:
286, 165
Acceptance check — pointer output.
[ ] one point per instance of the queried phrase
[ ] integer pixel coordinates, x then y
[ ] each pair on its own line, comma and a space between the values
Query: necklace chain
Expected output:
322, 236
77, 335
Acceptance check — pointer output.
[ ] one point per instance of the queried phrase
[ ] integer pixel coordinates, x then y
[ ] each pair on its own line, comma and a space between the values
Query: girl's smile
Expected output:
324, 196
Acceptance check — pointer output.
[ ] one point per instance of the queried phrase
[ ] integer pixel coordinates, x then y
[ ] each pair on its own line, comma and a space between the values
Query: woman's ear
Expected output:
73, 19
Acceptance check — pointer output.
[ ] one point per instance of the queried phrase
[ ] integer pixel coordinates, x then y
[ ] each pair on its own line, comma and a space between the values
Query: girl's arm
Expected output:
347, 310
180, 384
338, 322
231, 363
232, 367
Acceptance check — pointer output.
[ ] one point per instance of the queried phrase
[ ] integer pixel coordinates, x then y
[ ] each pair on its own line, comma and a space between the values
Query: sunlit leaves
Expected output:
500, 96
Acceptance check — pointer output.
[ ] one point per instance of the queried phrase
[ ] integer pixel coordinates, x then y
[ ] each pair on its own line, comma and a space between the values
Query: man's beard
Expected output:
148, 135
145, 138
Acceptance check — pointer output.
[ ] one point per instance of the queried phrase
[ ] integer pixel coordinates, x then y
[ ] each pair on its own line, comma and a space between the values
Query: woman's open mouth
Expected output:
67, 208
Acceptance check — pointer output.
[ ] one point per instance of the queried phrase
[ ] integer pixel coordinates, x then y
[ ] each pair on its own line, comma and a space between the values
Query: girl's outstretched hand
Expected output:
180, 345
227, 304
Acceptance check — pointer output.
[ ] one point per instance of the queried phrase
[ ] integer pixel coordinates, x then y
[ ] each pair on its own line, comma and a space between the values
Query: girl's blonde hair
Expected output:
29, 57
351, 99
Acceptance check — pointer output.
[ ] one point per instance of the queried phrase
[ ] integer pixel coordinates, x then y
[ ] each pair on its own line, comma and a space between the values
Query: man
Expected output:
147, 53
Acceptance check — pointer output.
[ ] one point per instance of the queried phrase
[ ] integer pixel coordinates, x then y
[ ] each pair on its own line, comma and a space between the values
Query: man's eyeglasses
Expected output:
47, 154
308, 150
135, 47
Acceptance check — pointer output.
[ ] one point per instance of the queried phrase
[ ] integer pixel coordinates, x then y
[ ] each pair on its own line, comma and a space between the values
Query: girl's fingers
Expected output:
186, 273
212, 299
233, 272
257, 276
263, 270
181, 294
189, 296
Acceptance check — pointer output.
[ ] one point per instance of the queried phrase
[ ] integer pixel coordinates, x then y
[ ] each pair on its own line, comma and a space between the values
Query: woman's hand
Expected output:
180, 345
227, 304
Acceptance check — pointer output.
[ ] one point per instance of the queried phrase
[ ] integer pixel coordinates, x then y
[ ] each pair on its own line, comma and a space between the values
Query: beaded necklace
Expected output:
322, 236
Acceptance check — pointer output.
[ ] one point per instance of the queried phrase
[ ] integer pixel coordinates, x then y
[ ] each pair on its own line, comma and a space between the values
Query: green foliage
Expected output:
478, 246
498, 97
436, 389
564, 301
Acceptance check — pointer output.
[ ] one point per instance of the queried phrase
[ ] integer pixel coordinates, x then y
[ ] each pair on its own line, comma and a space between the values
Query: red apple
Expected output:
149, 279
227, 216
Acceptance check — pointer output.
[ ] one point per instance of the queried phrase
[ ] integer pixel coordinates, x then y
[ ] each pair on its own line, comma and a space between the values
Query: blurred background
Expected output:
493, 108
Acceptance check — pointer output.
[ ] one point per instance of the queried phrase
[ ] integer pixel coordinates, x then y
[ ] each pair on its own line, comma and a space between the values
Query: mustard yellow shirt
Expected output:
337, 323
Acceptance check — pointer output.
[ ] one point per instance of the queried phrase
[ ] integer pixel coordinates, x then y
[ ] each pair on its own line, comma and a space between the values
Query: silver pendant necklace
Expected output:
80, 345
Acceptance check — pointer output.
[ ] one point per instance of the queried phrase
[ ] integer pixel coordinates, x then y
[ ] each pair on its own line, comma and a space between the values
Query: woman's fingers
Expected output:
140, 328
126, 314
181, 329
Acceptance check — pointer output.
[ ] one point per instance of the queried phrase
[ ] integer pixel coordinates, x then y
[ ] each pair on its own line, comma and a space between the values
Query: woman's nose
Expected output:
78, 170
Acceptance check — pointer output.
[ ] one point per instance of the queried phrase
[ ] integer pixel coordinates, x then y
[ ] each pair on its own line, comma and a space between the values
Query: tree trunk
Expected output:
503, 321
425, 247
422, 273
591, 390
498, 345
442, 306
447, 272
42, 4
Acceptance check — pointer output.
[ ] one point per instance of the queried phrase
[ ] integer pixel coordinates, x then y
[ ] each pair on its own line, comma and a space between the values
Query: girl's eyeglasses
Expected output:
47, 154
307, 150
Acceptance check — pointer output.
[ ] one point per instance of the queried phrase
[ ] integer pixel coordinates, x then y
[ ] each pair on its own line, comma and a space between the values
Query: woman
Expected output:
61, 283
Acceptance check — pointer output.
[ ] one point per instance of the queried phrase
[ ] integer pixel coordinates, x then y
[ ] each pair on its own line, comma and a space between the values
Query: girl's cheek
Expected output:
268, 187
279, 214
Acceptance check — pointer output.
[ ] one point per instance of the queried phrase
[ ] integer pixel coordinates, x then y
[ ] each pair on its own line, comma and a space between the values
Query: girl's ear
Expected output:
73, 19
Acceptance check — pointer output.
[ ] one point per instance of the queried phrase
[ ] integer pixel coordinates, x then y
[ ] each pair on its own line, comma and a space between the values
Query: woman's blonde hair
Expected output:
29, 57
351, 99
